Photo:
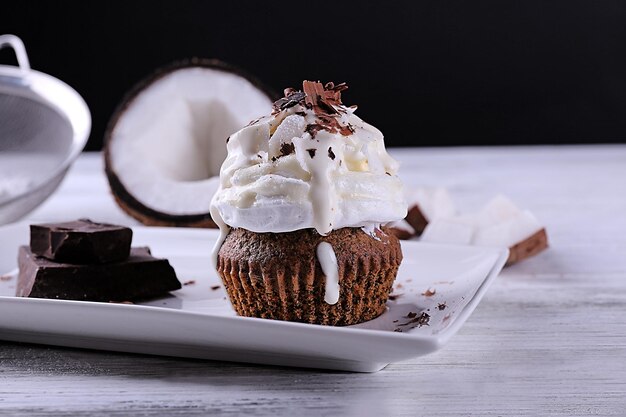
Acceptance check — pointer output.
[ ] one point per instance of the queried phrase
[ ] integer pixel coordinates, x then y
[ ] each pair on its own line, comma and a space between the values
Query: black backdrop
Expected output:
425, 72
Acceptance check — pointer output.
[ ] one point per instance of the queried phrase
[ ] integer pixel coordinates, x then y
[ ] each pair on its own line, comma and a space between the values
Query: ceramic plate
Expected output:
437, 288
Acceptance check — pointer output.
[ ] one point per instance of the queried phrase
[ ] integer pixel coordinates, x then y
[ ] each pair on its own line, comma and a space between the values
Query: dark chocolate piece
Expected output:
81, 242
141, 276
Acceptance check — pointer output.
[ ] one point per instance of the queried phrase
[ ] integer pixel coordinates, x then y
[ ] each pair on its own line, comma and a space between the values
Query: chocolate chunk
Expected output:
141, 276
81, 242
287, 149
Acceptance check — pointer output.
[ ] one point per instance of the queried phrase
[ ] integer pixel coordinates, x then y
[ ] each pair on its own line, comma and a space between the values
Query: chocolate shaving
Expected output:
421, 320
287, 149
252, 122
324, 100
311, 152
190, 282
331, 154
292, 98
215, 287
313, 128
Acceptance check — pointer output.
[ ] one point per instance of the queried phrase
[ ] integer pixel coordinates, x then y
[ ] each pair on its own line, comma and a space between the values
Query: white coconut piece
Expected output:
427, 204
507, 232
455, 230
435, 202
168, 141
500, 223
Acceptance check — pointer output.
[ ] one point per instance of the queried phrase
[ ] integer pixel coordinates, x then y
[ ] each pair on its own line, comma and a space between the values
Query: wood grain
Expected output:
548, 339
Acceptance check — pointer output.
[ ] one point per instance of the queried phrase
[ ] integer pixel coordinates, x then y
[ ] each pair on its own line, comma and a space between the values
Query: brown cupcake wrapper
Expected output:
295, 292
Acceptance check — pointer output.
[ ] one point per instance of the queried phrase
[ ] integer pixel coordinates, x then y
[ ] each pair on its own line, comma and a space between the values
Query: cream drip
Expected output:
328, 262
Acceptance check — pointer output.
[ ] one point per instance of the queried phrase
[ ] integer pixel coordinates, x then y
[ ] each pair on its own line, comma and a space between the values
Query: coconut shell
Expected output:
416, 219
127, 202
528, 247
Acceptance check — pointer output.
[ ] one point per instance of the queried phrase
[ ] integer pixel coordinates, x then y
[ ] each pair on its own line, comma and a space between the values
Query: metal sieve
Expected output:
44, 125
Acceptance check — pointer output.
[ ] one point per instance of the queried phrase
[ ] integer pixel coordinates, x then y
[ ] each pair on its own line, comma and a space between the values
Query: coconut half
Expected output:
166, 141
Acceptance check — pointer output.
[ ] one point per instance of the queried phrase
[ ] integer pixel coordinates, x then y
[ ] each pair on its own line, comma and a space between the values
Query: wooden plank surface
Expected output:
549, 338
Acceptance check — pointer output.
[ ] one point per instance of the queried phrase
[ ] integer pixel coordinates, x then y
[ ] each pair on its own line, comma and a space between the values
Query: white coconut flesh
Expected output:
499, 223
168, 145
433, 202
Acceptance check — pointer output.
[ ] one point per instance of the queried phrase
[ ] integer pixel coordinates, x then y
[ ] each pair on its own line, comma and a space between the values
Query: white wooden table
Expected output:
548, 339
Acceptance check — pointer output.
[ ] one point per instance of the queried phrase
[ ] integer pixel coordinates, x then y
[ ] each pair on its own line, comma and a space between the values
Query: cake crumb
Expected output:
6, 277
429, 292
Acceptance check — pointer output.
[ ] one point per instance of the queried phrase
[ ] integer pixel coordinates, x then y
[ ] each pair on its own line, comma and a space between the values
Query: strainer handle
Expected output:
20, 52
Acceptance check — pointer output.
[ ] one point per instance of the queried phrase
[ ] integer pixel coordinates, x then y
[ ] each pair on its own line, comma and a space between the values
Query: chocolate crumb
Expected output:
394, 297
429, 292
215, 287
311, 152
274, 159
190, 282
387, 173
331, 154
411, 315
313, 128
421, 320
287, 149
442, 306
228, 139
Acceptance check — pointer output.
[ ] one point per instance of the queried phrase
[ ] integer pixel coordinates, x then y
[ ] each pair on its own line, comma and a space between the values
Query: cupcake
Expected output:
303, 199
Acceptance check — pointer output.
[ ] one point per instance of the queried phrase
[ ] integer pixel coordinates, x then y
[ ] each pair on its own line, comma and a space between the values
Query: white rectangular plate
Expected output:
198, 321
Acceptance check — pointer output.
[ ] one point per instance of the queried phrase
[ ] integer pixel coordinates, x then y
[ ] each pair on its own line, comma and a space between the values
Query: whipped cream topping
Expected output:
312, 163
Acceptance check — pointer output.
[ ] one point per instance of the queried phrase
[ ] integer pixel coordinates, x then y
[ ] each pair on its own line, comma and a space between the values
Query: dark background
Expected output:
424, 72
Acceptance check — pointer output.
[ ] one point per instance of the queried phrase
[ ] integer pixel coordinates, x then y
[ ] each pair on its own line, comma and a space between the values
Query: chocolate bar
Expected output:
81, 242
139, 277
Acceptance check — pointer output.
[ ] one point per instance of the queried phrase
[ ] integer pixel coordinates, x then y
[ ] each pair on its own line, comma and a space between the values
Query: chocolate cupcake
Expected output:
304, 194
